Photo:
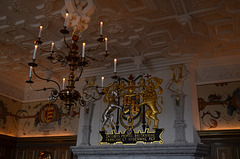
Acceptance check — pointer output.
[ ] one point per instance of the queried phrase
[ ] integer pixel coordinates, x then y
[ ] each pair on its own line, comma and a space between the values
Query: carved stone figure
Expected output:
175, 85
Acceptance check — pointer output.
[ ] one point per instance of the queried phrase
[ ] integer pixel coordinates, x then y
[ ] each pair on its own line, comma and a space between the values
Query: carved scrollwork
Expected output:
79, 13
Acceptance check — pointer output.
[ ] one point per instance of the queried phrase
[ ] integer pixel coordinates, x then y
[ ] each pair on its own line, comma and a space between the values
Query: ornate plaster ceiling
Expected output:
138, 30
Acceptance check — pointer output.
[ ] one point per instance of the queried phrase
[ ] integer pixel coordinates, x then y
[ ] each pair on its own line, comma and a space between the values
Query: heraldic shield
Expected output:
48, 113
129, 106
131, 115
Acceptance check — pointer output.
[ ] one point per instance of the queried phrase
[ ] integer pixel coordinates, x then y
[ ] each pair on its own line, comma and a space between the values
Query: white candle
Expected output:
106, 44
40, 31
65, 22
63, 86
115, 65
83, 49
35, 52
52, 46
102, 81
101, 27
30, 73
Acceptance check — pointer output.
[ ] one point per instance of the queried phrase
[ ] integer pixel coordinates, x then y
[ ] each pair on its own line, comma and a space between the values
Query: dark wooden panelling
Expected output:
31, 147
7, 147
225, 144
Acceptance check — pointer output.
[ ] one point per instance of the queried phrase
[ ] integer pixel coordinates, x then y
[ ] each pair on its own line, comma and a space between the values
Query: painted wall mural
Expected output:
219, 106
36, 119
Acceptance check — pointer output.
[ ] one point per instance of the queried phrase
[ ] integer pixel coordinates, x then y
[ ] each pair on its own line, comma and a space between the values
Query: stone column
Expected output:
179, 123
87, 128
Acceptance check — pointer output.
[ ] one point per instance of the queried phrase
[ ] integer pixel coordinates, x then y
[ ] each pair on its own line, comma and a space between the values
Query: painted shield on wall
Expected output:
48, 113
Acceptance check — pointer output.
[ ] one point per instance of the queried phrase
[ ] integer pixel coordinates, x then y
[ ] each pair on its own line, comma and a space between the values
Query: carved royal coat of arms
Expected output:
132, 103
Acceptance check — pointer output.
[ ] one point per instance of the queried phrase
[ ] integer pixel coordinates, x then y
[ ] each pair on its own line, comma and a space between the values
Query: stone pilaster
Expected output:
179, 123
87, 128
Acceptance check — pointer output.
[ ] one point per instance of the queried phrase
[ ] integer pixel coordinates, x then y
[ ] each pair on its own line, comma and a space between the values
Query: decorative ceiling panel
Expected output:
135, 28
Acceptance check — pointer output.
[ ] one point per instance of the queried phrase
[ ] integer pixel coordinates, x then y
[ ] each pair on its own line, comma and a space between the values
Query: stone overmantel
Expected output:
169, 151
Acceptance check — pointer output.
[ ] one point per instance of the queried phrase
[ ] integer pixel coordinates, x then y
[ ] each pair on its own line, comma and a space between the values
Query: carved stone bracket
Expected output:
138, 61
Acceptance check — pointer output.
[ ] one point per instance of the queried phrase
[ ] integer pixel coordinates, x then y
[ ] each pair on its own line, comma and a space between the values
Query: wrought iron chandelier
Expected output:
75, 59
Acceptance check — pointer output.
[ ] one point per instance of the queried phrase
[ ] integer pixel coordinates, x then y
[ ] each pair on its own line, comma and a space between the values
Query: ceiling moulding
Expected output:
11, 97
218, 69
218, 74
219, 61
34, 96
11, 91
150, 64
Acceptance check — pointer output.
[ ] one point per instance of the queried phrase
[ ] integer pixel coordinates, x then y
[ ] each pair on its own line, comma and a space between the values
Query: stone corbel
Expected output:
138, 61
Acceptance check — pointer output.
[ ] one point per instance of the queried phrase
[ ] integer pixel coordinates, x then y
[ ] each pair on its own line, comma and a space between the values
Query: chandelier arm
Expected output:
90, 50
64, 39
44, 50
94, 97
77, 79
96, 59
52, 101
96, 88
53, 95
82, 103
46, 79
61, 52
53, 51
85, 87
99, 44
43, 89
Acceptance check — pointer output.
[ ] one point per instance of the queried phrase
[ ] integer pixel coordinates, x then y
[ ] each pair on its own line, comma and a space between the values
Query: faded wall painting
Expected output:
8, 116
36, 119
219, 106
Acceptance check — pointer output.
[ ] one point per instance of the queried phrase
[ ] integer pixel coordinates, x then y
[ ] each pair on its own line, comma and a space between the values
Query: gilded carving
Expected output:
127, 99
150, 99
134, 96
